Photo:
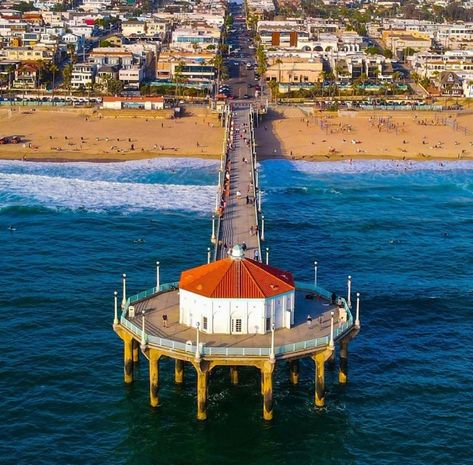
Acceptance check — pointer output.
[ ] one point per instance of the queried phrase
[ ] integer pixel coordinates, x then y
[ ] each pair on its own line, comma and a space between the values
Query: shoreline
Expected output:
316, 159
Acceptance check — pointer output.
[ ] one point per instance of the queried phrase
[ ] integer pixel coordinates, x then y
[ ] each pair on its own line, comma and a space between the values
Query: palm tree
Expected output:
178, 77
53, 70
10, 70
71, 50
279, 62
67, 76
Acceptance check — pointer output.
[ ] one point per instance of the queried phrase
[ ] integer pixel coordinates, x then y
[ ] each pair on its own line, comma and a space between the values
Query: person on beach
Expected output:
256, 255
165, 320
309, 321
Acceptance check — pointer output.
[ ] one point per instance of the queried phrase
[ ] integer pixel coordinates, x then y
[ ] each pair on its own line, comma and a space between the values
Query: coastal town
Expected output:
329, 68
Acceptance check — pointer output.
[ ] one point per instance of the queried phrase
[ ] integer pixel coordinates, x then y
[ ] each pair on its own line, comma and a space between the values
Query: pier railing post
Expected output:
349, 291
115, 308
124, 290
330, 344
357, 315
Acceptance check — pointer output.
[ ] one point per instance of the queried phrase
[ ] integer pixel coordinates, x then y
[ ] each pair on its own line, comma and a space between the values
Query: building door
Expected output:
236, 325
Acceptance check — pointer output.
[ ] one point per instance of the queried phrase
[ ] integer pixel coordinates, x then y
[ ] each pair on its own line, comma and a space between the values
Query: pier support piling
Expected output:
136, 351
234, 375
267, 378
202, 387
343, 369
294, 371
319, 360
154, 357
128, 358
179, 372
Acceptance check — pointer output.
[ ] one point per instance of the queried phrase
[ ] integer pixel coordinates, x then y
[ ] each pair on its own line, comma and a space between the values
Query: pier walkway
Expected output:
238, 193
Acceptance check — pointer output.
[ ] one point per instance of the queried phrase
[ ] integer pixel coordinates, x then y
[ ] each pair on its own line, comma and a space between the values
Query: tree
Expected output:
178, 77
279, 63
67, 76
71, 50
10, 71
274, 86
53, 69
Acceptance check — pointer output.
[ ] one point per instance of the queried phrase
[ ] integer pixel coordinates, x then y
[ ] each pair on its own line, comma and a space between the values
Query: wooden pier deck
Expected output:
240, 212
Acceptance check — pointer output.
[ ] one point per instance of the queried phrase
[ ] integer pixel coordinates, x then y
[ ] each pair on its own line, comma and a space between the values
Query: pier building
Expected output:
237, 310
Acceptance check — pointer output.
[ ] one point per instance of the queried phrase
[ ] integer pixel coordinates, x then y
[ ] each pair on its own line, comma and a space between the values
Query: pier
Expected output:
157, 323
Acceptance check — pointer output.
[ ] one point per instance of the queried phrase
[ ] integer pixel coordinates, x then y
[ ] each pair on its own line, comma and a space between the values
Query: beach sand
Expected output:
283, 133
107, 138
289, 133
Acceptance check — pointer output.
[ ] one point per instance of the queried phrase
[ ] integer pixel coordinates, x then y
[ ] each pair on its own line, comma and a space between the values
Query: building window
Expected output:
204, 323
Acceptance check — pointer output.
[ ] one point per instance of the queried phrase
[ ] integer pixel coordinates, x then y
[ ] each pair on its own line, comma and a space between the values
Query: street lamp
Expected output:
115, 302
197, 350
271, 353
124, 291
143, 334
349, 291
158, 277
357, 315
330, 344
315, 273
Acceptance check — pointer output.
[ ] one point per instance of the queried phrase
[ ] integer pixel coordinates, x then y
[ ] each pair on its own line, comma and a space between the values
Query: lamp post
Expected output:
213, 228
267, 255
143, 334
330, 344
124, 291
262, 227
115, 305
315, 273
208, 254
197, 350
357, 314
349, 291
158, 276
271, 353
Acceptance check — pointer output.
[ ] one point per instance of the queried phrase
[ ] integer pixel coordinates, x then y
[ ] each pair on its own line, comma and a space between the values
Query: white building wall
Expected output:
222, 314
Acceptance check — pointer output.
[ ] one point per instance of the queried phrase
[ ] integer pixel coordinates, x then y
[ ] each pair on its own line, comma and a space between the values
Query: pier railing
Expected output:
190, 348
253, 178
223, 162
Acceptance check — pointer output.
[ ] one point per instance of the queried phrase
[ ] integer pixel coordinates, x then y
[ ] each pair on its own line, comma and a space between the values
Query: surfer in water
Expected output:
11, 228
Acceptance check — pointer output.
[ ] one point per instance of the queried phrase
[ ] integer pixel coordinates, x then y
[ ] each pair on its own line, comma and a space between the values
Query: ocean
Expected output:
403, 231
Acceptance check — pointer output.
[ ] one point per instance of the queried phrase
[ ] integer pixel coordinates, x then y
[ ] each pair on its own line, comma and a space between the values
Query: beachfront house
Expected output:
83, 75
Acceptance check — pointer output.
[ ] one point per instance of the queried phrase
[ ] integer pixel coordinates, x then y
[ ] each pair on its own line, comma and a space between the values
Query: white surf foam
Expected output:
363, 166
134, 171
60, 192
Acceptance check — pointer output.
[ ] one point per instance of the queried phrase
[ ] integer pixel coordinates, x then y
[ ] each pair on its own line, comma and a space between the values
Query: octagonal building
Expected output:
236, 295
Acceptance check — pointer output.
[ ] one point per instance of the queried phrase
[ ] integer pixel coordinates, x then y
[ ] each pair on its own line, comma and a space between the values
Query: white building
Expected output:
236, 295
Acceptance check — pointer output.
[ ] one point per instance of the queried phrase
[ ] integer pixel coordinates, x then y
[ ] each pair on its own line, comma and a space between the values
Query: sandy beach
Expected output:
81, 134
73, 135
289, 133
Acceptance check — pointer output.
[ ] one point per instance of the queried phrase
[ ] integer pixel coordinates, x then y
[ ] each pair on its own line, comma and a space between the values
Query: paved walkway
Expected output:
239, 214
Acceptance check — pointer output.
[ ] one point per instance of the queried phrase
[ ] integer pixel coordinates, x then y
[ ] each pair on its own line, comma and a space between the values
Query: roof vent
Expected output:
237, 252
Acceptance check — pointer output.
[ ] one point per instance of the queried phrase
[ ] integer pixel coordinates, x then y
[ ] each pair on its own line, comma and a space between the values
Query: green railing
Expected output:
234, 351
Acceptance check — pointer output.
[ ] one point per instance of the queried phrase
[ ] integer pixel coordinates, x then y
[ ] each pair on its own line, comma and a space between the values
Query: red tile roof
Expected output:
236, 279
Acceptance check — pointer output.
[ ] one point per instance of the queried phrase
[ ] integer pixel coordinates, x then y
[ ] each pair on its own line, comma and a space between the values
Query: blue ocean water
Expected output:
404, 232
